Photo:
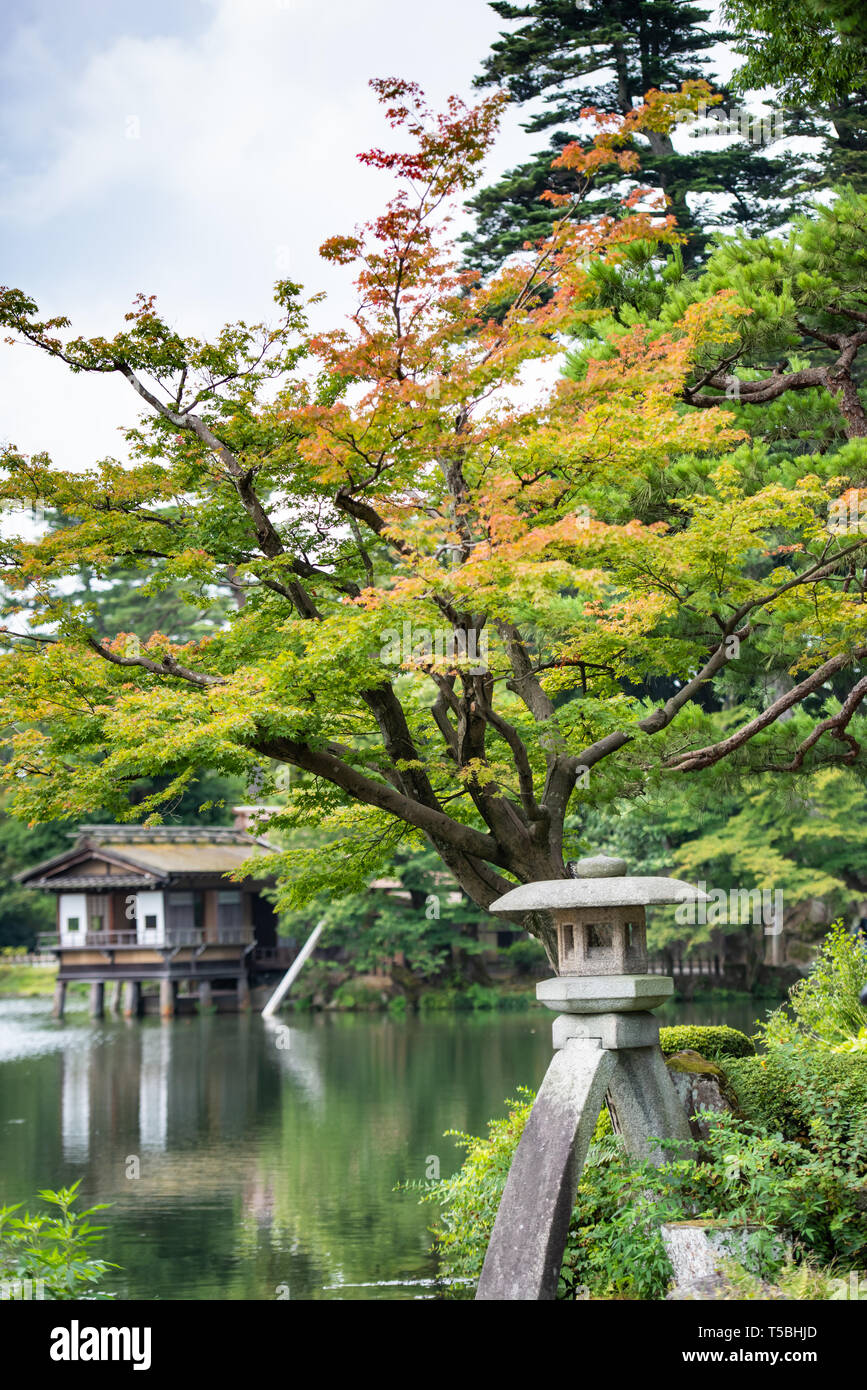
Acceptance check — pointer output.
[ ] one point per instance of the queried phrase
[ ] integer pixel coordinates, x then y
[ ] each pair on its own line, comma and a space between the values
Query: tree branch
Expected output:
696, 758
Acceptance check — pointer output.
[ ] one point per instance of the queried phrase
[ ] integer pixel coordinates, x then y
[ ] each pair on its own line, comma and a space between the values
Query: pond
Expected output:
267, 1154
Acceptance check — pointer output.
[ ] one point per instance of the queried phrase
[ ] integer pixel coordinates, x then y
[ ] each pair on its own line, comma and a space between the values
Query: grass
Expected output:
31, 982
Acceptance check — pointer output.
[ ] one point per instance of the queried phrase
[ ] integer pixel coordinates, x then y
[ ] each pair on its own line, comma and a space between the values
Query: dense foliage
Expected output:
815, 55
824, 1009
54, 1251
470, 607
711, 1042
790, 1163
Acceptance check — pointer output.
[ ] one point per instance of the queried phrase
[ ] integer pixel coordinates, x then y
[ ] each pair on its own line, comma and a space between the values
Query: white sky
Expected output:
199, 150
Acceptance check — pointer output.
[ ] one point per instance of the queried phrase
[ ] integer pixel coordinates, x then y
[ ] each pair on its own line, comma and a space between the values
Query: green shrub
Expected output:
55, 1250
358, 994
824, 1008
478, 996
711, 1042
436, 1001
514, 1003
470, 1199
525, 955
798, 1091
614, 1247
793, 1167
809, 1196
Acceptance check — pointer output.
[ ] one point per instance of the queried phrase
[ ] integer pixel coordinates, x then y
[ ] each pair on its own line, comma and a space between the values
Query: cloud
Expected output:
199, 163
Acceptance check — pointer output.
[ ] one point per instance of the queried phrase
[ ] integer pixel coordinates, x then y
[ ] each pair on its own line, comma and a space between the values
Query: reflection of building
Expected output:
137, 904
75, 1105
153, 1094
192, 1095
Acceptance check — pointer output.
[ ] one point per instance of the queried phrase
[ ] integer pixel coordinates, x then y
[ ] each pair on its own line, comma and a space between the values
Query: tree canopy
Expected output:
472, 600
815, 55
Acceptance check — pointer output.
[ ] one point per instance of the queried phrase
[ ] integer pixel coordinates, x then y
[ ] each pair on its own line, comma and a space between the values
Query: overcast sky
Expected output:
196, 149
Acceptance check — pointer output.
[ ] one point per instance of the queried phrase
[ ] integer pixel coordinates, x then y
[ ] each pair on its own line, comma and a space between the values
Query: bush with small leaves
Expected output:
710, 1042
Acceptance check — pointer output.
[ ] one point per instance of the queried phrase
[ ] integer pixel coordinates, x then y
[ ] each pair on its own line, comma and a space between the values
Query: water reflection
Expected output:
268, 1155
298, 1054
153, 1088
75, 1105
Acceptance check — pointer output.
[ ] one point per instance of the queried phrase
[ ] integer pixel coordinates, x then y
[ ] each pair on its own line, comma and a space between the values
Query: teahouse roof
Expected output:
139, 856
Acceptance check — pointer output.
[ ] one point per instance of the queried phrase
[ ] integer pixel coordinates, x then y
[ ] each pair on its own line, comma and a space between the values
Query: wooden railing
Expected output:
673, 963
176, 936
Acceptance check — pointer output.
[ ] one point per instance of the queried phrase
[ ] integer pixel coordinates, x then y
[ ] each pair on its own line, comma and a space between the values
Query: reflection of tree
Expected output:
391, 1092
267, 1173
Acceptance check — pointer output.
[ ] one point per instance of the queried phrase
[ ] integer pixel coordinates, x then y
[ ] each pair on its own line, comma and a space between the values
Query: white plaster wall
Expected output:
73, 905
150, 904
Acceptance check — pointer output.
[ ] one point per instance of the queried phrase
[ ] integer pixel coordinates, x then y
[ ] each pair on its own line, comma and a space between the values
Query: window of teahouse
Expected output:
229, 910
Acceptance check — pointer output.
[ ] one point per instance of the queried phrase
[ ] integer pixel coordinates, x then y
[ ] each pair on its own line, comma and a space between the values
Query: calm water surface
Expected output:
268, 1154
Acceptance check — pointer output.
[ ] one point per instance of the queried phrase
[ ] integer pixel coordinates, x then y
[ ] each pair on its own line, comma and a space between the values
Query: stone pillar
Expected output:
168, 989
131, 998
529, 1235
243, 994
646, 1104
97, 1000
114, 997
59, 999
205, 996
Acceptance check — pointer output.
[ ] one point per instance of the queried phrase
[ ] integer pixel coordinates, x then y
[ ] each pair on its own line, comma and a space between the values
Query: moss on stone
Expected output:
689, 1060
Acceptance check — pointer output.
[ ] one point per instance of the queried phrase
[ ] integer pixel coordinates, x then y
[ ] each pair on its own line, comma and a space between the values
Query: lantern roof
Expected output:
598, 881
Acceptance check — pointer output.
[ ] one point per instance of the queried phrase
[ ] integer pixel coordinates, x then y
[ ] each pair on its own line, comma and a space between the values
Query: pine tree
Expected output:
610, 53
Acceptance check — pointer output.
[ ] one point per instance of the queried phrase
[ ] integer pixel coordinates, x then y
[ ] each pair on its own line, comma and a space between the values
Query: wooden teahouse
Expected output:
139, 905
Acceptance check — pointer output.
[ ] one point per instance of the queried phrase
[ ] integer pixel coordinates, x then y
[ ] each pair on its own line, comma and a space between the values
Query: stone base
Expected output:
697, 1250
604, 994
612, 1030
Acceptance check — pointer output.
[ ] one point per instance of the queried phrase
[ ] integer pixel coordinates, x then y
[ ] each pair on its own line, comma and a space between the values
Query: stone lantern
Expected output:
606, 1044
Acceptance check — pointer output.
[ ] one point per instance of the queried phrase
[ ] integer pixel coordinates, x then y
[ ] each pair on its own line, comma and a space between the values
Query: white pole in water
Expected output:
293, 972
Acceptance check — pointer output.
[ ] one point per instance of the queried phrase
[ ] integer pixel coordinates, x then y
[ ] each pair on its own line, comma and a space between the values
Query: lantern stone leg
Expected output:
646, 1104
606, 1040
526, 1247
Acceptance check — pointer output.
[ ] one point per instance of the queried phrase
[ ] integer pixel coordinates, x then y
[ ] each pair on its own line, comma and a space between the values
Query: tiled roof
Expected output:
168, 857
84, 882
136, 855
163, 834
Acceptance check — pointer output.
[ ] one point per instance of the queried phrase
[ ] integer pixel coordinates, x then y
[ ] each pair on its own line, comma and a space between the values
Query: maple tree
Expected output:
467, 607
